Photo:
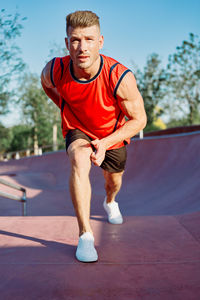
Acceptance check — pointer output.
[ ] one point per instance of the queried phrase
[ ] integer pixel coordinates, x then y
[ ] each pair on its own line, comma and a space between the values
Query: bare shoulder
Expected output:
46, 75
128, 88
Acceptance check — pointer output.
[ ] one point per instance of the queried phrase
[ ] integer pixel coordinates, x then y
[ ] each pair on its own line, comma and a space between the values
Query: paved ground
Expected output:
154, 255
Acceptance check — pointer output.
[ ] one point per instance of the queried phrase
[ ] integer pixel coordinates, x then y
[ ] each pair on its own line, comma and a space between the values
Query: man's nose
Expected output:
83, 46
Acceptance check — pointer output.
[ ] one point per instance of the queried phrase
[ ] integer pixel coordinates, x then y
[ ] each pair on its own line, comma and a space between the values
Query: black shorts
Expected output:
115, 159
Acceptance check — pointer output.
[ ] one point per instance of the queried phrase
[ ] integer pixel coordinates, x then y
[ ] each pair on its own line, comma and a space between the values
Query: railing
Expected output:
13, 197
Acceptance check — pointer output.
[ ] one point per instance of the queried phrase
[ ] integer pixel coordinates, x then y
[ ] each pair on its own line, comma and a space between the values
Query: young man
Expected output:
94, 94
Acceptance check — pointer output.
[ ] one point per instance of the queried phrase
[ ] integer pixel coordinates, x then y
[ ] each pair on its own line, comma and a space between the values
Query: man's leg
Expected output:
113, 182
79, 153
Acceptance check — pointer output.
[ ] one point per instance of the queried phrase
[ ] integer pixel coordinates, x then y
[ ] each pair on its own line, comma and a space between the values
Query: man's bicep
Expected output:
129, 98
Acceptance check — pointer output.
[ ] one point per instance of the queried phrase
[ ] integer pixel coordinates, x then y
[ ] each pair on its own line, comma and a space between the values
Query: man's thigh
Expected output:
74, 135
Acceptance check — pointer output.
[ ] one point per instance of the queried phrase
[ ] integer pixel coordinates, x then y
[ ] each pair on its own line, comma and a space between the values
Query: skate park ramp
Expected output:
155, 254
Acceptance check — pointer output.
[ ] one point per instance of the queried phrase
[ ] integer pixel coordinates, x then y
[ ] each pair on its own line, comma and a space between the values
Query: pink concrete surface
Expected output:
154, 255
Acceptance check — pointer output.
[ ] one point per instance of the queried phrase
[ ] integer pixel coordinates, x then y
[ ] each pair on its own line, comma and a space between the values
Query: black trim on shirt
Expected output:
62, 108
118, 83
62, 105
51, 71
117, 121
62, 68
85, 81
112, 68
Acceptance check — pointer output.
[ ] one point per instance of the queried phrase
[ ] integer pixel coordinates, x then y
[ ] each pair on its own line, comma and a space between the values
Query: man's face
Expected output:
84, 45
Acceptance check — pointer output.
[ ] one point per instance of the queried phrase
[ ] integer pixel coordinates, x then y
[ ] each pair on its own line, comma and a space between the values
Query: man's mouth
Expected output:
82, 57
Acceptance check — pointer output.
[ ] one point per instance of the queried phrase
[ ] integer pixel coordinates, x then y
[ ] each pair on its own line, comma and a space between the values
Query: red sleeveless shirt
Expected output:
92, 105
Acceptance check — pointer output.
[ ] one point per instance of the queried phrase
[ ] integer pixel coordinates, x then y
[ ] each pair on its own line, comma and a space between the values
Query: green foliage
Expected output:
177, 122
5, 135
10, 61
20, 138
151, 127
15, 138
183, 72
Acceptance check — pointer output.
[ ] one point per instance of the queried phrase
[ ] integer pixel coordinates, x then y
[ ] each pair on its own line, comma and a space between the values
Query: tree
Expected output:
10, 61
20, 138
152, 88
184, 78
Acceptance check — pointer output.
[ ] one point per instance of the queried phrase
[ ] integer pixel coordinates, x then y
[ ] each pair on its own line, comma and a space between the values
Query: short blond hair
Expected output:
82, 18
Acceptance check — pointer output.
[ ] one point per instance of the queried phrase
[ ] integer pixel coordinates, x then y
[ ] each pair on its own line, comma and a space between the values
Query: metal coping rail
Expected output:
22, 199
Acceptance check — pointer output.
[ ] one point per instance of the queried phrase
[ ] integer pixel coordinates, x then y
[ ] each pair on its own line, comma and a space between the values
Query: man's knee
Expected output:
79, 154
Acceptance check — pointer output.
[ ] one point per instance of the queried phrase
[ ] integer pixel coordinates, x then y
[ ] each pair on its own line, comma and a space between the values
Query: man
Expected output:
94, 94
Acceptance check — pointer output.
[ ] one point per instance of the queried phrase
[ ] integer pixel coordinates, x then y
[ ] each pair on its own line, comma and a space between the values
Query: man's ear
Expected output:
67, 43
101, 41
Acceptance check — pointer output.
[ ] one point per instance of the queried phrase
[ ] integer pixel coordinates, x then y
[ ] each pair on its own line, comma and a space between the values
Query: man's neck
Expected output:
88, 73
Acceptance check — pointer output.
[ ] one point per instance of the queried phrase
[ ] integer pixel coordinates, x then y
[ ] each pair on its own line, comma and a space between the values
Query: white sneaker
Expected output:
114, 215
86, 251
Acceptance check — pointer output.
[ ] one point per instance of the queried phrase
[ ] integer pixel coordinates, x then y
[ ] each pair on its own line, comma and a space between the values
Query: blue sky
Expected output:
132, 29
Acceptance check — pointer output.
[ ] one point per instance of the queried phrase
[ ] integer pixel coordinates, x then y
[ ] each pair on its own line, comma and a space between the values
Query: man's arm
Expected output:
47, 85
132, 105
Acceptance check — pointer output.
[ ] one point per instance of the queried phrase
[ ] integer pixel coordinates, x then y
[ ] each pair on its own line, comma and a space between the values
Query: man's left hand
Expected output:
98, 156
